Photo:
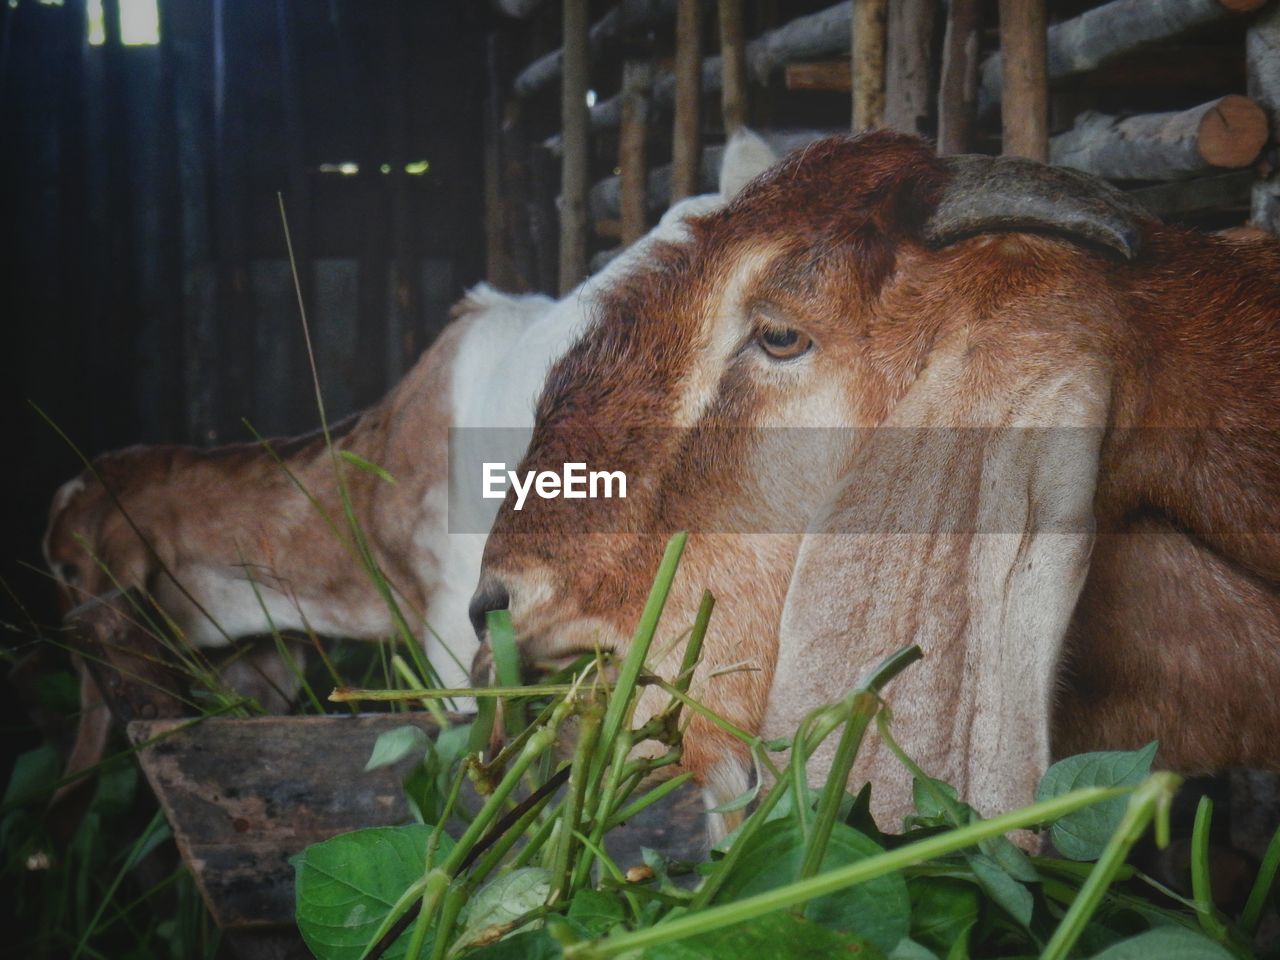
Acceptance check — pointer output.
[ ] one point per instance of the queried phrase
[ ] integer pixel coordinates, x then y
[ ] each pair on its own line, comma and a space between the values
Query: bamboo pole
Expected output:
637, 75
733, 63
688, 96
867, 29
574, 170
958, 86
1025, 110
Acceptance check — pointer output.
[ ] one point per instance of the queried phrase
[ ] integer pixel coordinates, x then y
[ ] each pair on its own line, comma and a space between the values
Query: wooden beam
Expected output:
1262, 62
733, 67
1224, 133
636, 80
1025, 110
686, 129
958, 85
829, 75
574, 167
909, 78
867, 37
628, 18
1095, 36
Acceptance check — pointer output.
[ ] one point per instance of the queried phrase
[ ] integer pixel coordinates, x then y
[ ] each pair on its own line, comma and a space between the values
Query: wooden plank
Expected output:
237, 823
868, 40
337, 284
1095, 36
733, 67
1262, 60
909, 77
1224, 133
574, 166
298, 404
275, 334
829, 75
958, 85
637, 75
686, 142
1024, 111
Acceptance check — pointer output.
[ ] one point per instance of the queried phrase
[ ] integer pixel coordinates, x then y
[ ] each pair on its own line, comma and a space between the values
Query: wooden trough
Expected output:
244, 796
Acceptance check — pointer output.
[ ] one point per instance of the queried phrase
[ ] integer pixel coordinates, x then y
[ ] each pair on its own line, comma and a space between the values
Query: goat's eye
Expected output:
784, 343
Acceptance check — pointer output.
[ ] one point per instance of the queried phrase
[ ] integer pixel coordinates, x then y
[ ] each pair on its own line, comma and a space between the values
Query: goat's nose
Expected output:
492, 594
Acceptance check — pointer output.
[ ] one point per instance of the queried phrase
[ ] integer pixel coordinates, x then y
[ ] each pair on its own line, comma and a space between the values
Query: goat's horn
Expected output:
988, 194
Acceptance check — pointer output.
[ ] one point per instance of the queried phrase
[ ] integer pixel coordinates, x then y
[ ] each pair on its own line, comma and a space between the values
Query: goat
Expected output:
226, 542
1039, 441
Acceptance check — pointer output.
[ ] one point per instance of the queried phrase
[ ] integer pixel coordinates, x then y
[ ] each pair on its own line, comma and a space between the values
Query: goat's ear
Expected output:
985, 194
746, 156
964, 525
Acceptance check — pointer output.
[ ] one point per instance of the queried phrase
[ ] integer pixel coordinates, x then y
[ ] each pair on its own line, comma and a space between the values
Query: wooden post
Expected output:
637, 75
1262, 60
1025, 109
958, 87
733, 66
867, 42
574, 168
685, 145
909, 78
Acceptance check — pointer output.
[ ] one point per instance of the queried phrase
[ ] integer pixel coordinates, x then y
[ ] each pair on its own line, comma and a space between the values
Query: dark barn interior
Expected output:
150, 149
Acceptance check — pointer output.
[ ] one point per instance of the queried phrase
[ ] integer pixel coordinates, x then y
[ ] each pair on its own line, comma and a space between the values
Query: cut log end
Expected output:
1241, 6
1233, 133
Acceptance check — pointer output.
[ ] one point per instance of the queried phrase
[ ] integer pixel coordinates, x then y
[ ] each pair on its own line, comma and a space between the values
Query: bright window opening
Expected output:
139, 23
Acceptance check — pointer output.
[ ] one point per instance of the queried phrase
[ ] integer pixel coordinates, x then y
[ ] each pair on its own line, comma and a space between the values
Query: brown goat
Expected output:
1071, 504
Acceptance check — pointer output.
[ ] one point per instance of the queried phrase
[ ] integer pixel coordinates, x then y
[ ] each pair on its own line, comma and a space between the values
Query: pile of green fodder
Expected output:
808, 873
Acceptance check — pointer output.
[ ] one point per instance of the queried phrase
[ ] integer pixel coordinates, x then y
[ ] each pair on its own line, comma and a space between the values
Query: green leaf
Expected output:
878, 910
1167, 943
777, 936
368, 466
1010, 895
346, 886
502, 901
908, 949
943, 910
1084, 834
34, 775
595, 912
525, 945
394, 745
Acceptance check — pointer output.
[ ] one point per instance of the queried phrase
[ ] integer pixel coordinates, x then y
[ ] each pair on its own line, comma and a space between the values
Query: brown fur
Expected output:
1177, 631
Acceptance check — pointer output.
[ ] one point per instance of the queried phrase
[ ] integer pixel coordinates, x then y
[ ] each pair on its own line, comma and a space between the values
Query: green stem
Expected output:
1149, 799
1261, 886
579, 773
1201, 886
698, 922
863, 708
